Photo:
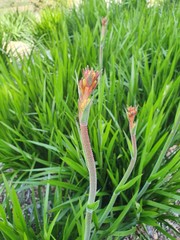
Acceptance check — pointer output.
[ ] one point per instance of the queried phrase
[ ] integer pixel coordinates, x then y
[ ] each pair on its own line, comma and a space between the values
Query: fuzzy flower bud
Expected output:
86, 86
131, 113
104, 21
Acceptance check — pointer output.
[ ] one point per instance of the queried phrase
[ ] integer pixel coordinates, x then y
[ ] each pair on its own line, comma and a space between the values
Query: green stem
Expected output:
103, 31
92, 177
123, 181
162, 154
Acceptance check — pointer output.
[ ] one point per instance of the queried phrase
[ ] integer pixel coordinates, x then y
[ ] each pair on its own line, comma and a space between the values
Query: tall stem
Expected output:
86, 87
163, 152
92, 177
123, 180
103, 31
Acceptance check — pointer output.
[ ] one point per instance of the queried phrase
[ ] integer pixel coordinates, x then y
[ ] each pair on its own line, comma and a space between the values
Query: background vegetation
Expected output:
44, 178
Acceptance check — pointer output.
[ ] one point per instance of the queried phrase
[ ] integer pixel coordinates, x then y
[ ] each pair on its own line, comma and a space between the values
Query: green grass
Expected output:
17, 26
39, 133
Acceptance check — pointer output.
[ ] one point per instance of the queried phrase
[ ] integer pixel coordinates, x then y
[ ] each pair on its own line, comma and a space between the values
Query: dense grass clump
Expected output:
40, 147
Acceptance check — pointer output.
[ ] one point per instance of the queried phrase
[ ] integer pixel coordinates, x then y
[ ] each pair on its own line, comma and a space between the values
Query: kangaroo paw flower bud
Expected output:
131, 113
86, 86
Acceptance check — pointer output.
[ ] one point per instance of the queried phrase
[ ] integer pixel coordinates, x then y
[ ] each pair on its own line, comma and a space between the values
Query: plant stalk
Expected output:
123, 180
86, 86
102, 37
92, 177
162, 154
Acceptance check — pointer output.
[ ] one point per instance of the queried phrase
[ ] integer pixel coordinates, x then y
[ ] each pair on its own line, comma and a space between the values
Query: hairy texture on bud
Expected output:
131, 113
86, 86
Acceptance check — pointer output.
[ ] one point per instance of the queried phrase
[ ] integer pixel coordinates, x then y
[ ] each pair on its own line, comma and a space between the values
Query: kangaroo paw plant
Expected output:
131, 113
86, 86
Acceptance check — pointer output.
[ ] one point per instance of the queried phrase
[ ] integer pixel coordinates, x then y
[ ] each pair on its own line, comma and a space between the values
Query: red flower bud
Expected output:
86, 86
131, 113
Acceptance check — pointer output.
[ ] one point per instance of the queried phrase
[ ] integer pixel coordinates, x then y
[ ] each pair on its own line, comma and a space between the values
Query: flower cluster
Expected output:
131, 113
86, 86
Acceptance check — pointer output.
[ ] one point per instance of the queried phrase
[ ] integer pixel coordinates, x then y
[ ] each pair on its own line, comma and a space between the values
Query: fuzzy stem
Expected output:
92, 177
124, 179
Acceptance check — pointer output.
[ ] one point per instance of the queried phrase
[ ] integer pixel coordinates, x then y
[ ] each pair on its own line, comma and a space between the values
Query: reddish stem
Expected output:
90, 163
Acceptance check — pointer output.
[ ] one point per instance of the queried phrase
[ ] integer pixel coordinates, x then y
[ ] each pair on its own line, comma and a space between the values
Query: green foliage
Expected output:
16, 26
40, 148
